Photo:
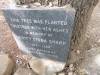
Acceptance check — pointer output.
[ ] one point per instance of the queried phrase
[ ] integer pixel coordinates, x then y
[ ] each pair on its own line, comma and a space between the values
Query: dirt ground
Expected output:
8, 44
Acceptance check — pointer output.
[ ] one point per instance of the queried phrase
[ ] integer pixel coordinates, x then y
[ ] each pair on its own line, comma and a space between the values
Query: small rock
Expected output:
97, 60
37, 66
52, 69
62, 74
50, 4
70, 73
18, 62
55, 2
45, 67
24, 71
78, 51
6, 65
53, 66
99, 41
37, 4
26, 6
71, 67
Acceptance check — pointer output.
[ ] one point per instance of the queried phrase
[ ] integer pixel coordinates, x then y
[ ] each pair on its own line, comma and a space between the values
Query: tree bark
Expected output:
84, 9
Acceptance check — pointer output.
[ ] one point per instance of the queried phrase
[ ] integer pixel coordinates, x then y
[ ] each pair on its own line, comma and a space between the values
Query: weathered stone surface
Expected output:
37, 66
42, 32
24, 71
45, 67
6, 65
52, 67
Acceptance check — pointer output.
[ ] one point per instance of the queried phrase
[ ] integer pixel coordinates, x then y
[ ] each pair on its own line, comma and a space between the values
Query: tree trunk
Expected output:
84, 9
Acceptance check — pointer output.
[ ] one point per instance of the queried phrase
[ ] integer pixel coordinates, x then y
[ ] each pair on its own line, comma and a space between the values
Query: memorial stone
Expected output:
43, 32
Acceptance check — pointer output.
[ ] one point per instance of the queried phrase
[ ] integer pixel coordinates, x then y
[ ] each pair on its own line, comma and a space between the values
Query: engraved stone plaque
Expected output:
45, 33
